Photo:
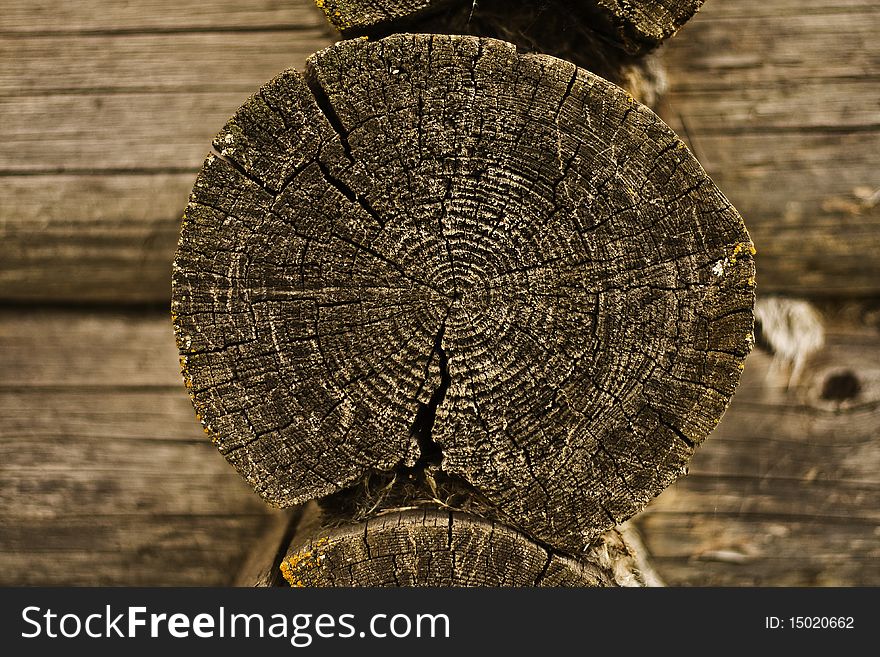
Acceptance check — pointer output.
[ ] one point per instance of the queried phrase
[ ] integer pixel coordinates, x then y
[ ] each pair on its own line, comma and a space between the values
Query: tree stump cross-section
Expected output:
432, 260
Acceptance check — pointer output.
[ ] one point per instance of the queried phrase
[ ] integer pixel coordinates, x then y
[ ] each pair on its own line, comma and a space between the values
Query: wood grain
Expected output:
98, 16
603, 37
429, 547
108, 111
789, 128
786, 126
635, 26
105, 476
784, 493
787, 492
399, 263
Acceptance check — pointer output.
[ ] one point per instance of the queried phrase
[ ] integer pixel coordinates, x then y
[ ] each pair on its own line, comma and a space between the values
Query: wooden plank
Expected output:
787, 490
94, 425
141, 550
709, 550
789, 128
66, 16
105, 475
113, 108
104, 64
76, 349
108, 237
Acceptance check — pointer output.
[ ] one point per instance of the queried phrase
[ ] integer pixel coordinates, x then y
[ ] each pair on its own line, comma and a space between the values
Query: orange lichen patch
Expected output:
742, 248
333, 14
187, 379
299, 568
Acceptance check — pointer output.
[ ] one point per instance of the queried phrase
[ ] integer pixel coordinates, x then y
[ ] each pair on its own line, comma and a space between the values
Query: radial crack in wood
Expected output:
432, 213
636, 25
441, 549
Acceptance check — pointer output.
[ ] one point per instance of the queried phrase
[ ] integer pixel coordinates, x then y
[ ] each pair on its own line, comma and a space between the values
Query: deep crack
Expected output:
430, 451
322, 100
343, 188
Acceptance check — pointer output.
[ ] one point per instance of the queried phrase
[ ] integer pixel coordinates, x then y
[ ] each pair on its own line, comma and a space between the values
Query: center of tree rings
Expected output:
436, 243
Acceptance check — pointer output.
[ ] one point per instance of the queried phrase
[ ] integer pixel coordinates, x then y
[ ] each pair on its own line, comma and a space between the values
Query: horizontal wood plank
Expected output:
96, 429
65, 16
139, 550
105, 475
108, 116
99, 238
787, 490
108, 112
779, 101
106, 64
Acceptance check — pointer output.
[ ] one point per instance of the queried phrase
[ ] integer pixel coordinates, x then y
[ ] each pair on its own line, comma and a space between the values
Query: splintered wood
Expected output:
436, 259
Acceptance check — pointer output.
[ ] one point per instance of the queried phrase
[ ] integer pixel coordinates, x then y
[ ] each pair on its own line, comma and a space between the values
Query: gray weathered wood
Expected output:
432, 548
459, 262
783, 125
778, 99
52, 17
105, 476
636, 26
789, 492
262, 565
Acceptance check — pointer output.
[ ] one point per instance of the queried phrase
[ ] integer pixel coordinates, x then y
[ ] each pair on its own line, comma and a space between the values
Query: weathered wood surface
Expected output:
787, 491
787, 126
106, 229
425, 547
108, 109
635, 26
403, 264
105, 476
604, 37
780, 100
262, 565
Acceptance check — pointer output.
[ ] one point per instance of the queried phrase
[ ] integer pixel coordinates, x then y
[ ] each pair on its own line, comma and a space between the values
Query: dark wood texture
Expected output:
262, 565
105, 130
498, 266
92, 187
787, 491
635, 26
105, 477
783, 493
434, 548
577, 32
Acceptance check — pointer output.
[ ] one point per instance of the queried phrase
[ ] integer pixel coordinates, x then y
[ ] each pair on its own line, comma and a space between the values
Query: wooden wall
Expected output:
106, 112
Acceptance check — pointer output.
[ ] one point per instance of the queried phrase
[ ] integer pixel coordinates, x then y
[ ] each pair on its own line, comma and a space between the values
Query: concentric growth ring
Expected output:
436, 241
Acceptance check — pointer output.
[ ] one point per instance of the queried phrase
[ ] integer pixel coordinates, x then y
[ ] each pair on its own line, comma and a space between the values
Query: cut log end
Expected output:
636, 27
438, 261
443, 549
